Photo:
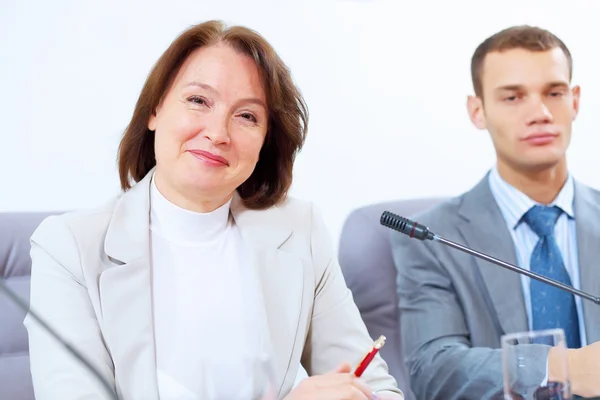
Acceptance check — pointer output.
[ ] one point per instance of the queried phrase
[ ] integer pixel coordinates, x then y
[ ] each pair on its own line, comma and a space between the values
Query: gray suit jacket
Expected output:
454, 307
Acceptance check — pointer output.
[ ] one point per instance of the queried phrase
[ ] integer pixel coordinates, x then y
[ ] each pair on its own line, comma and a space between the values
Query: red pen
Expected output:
378, 344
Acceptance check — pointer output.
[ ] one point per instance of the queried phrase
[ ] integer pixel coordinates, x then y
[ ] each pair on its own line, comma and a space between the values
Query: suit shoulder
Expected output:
441, 211
294, 204
588, 191
78, 222
298, 212
441, 219
66, 237
305, 219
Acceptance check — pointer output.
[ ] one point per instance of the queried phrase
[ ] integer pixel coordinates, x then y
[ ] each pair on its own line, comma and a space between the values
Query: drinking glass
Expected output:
521, 353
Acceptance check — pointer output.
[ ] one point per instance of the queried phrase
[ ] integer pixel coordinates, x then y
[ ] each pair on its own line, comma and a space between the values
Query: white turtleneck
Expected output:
204, 302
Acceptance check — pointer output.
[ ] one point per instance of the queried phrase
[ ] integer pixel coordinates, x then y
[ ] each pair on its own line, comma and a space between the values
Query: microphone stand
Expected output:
421, 232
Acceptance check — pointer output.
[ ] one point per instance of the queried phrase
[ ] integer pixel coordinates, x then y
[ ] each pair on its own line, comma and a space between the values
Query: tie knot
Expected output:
541, 219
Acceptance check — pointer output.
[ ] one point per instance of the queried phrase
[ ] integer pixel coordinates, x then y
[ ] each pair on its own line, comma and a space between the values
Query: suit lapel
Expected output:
587, 212
281, 284
483, 228
126, 295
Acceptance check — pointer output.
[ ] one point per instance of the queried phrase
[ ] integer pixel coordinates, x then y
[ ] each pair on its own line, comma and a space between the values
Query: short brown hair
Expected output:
517, 37
288, 113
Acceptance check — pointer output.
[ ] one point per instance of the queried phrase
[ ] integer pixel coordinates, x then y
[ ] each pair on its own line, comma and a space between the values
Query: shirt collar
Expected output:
514, 204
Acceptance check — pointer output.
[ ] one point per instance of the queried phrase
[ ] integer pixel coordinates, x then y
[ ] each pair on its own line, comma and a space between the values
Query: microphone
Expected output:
421, 232
23, 306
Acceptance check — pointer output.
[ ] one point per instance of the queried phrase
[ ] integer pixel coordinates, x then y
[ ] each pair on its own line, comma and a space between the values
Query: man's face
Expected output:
527, 106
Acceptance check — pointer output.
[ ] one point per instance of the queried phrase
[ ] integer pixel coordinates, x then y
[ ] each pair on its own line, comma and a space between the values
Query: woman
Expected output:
203, 261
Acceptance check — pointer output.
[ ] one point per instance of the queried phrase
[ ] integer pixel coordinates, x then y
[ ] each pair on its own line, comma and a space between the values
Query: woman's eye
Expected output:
249, 117
197, 100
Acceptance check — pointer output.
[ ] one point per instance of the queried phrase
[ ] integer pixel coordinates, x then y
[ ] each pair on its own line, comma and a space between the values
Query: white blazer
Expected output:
91, 281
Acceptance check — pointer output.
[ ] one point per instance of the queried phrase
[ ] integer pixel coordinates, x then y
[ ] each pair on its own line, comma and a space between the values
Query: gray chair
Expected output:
15, 271
365, 257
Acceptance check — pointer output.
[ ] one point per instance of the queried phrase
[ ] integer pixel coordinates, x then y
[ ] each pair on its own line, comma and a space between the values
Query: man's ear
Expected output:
476, 112
576, 91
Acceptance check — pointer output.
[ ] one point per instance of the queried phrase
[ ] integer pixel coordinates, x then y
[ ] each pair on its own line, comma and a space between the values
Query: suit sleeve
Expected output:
337, 333
441, 362
59, 296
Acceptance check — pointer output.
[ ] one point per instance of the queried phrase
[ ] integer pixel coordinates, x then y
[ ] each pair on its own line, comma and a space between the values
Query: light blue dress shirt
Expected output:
513, 205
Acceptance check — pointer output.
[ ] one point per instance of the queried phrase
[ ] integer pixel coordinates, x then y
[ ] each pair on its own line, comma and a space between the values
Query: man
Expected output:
528, 211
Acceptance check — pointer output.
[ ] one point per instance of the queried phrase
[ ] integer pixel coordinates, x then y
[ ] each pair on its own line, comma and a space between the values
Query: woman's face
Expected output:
209, 128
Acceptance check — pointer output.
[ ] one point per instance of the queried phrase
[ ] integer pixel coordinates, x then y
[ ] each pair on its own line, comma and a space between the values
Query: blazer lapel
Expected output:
126, 295
483, 229
281, 284
587, 212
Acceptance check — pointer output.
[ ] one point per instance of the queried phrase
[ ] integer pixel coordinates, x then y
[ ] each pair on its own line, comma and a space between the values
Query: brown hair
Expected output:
517, 37
288, 113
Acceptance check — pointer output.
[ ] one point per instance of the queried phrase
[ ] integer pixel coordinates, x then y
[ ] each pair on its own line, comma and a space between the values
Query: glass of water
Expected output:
522, 355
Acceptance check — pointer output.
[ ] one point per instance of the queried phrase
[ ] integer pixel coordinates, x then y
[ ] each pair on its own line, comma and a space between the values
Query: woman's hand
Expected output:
339, 384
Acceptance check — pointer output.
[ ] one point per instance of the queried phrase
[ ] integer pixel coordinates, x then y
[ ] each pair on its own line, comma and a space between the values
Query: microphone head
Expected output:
406, 226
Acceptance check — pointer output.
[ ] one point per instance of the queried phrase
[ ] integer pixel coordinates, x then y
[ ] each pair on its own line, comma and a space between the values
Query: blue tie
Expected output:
550, 307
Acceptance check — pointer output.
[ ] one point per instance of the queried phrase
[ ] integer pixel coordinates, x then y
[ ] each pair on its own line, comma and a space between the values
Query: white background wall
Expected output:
386, 84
